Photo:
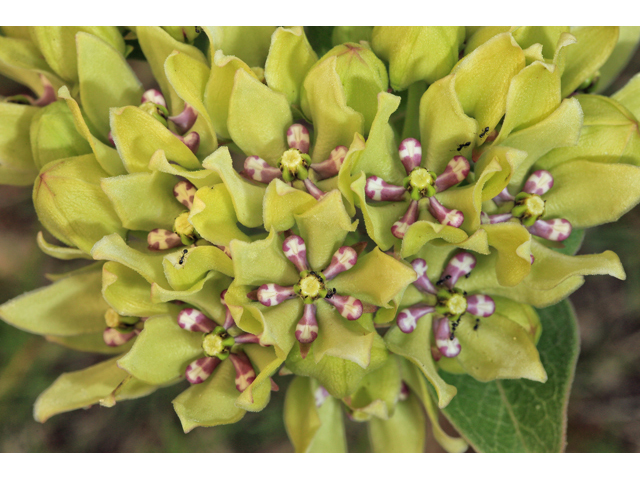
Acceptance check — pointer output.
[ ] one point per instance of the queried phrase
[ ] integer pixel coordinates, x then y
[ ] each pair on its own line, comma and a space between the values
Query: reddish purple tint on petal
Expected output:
245, 374
271, 294
456, 171
422, 283
344, 259
480, 305
199, 370
538, 183
503, 197
274, 386
195, 321
247, 338
404, 392
154, 96
410, 151
298, 137
320, 395
114, 338
380, 191
498, 218
408, 318
461, 264
295, 250
557, 229
349, 307
448, 346
307, 327
445, 216
192, 141
399, 228
161, 239
185, 120
259, 170
313, 189
185, 191
331, 166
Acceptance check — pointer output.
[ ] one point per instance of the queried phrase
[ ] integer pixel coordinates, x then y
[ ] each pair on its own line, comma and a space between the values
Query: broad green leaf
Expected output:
71, 205
258, 118
54, 135
71, 306
210, 403
290, 58
162, 351
106, 81
144, 201
103, 382
17, 165
521, 415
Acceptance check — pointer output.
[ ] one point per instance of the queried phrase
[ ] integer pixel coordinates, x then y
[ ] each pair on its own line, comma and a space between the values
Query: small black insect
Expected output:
475, 327
463, 145
467, 275
330, 293
184, 254
452, 336
484, 132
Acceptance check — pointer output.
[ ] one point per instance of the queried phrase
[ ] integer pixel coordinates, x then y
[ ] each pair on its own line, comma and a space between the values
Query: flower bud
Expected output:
362, 74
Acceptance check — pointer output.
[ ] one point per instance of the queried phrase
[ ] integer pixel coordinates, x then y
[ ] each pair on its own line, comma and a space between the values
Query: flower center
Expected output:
217, 343
294, 165
115, 320
528, 208
311, 287
457, 304
451, 303
420, 183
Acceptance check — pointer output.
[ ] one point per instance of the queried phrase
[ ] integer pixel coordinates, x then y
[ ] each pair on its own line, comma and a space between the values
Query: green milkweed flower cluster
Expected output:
381, 217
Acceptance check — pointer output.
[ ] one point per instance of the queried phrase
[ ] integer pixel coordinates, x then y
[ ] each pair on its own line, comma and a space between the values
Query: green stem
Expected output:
411, 126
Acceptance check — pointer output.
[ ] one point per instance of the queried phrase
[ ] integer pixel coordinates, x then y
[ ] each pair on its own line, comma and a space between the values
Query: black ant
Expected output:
484, 132
442, 280
463, 145
475, 327
330, 293
184, 254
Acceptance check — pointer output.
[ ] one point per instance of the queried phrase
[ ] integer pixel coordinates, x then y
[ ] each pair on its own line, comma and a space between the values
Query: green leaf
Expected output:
521, 415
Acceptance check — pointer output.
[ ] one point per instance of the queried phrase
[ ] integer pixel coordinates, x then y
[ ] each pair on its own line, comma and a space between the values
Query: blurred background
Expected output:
604, 409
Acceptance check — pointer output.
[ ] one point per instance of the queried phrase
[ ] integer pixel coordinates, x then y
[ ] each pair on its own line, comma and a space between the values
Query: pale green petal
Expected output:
183, 269
62, 253
127, 292
330, 437
199, 178
620, 57
251, 44
301, 418
629, 95
258, 394
477, 36
512, 242
258, 118
520, 313
282, 203
17, 165
378, 392
546, 36
404, 432
89, 342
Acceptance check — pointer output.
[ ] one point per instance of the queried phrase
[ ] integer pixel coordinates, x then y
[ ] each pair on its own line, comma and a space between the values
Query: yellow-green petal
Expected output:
187, 266
282, 203
251, 44
127, 292
17, 165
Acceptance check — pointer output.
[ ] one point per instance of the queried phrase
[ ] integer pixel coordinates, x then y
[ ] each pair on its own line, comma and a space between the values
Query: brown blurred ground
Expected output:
604, 411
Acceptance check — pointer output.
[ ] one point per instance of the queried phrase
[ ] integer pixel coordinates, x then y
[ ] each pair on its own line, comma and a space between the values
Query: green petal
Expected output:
247, 197
377, 278
416, 348
378, 393
620, 57
251, 44
258, 118
281, 203
341, 338
344, 175
189, 78
107, 156
70, 203
54, 135
113, 247
404, 432
17, 166
290, 58
476, 38
590, 52
58, 46
330, 437
416, 382
546, 36
324, 102
262, 262
423, 232
127, 292
324, 228
218, 90
510, 161
417, 53
498, 349
210, 403
560, 129
143, 201
162, 351
184, 269
628, 95
199, 178
138, 135
106, 83
523, 315
157, 45
83, 388
340, 377
258, 394
483, 78
512, 242
62, 253
616, 188
71, 306
444, 126
301, 418
214, 216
